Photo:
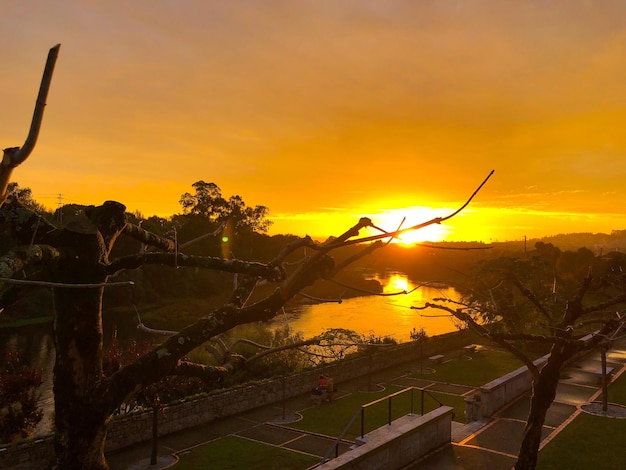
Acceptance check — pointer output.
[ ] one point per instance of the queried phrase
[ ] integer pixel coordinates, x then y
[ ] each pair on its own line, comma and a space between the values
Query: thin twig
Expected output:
66, 285
437, 220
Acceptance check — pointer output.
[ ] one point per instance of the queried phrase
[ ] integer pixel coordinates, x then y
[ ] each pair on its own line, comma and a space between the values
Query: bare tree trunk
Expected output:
605, 381
544, 392
79, 418
81, 415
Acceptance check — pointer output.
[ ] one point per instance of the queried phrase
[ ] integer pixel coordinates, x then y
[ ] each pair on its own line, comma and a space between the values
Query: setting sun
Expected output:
392, 219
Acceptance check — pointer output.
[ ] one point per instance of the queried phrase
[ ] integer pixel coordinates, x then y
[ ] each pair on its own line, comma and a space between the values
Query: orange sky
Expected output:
327, 110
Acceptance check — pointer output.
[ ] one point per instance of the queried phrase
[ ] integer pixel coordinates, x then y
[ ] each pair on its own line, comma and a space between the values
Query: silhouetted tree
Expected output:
208, 203
25, 196
506, 310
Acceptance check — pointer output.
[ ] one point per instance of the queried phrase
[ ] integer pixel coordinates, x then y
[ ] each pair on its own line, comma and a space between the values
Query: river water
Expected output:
378, 315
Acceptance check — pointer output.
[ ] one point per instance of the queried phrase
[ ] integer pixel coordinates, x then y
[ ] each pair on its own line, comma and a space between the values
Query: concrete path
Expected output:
483, 444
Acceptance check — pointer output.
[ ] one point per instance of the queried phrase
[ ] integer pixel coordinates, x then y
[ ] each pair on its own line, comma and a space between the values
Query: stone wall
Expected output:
28, 455
137, 427
503, 390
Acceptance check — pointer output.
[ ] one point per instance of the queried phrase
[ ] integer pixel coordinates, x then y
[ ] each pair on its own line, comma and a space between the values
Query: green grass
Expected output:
26, 322
486, 365
584, 440
617, 391
587, 442
233, 452
332, 418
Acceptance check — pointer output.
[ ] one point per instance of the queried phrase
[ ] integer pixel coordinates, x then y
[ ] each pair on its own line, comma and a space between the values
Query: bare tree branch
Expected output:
149, 238
209, 373
601, 335
243, 290
530, 296
368, 292
214, 233
291, 247
620, 299
357, 256
19, 259
455, 248
271, 273
466, 318
536, 338
14, 156
271, 350
436, 220
338, 300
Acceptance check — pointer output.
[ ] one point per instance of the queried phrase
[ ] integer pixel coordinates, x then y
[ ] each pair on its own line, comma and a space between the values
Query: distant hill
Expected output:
598, 243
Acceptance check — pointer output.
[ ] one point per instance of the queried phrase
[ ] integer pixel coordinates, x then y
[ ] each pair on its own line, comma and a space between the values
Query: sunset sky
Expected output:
329, 110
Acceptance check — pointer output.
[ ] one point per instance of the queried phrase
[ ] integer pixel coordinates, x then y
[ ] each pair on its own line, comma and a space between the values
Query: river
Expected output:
378, 315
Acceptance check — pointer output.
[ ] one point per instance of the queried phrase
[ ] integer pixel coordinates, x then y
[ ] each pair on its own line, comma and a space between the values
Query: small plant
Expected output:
19, 411
418, 335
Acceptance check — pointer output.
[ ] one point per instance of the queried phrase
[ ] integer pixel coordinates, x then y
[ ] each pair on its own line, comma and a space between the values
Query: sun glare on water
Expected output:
398, 283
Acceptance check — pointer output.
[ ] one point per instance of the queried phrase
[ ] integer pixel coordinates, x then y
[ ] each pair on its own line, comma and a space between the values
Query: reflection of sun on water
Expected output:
381, 315
397, 283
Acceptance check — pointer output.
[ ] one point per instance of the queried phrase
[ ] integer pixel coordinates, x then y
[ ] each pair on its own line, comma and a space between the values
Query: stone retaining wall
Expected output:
503, 390
137, 427
28, 455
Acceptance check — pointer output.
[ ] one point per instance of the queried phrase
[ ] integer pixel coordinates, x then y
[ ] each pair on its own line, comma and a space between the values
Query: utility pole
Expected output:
59, 205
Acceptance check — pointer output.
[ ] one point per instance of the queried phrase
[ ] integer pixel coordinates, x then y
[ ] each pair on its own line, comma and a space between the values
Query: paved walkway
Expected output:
483, 444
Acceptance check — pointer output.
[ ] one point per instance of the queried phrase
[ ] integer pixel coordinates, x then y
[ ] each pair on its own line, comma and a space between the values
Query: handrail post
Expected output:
389, 412
422, 390
362, 421
412, 399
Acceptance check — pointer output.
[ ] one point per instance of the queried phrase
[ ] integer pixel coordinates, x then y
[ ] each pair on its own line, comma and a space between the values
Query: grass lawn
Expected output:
617, 391
232, 452
331, 418
486, 365
587, 442
590, 441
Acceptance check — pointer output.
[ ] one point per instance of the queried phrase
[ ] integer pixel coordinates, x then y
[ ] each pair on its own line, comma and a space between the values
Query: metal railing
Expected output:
388, 398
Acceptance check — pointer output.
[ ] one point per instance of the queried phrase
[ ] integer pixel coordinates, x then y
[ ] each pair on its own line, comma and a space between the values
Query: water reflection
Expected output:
383, 316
